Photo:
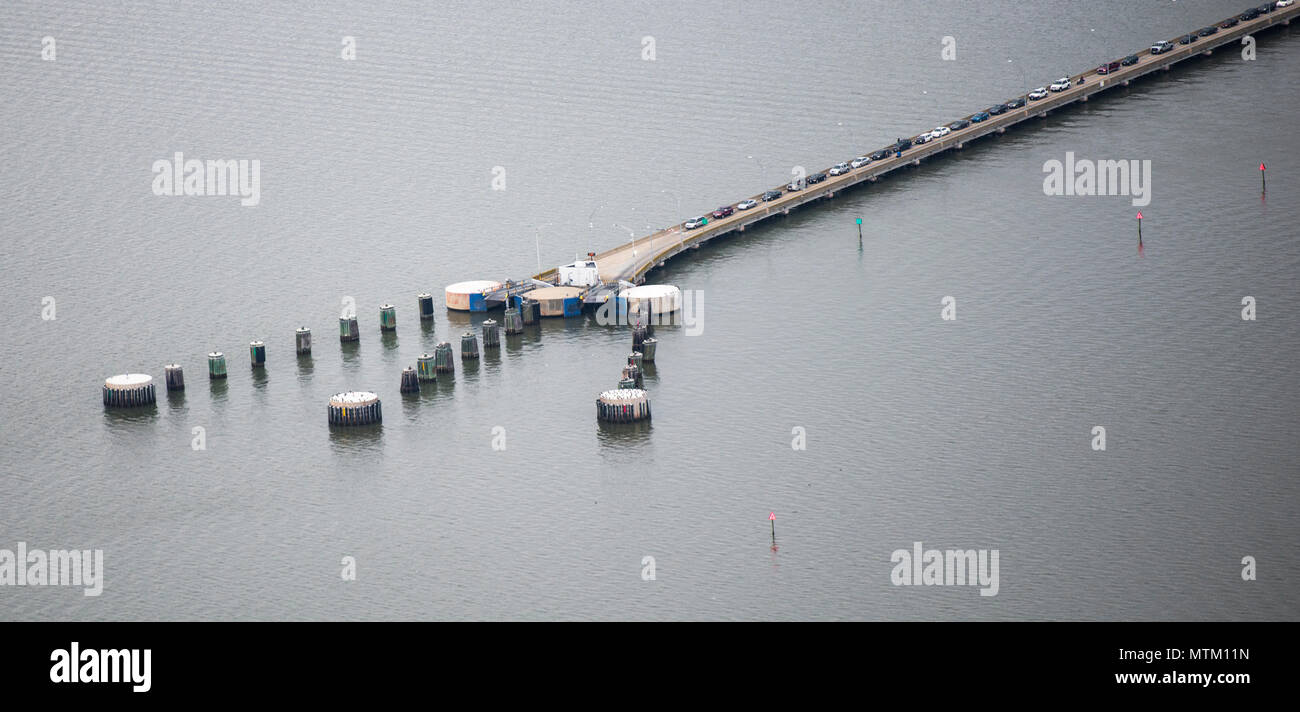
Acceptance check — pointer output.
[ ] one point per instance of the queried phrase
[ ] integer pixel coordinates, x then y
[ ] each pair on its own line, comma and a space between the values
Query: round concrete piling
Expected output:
444, 359
639, 336
355, 408
468, 346
348, 330
410, 382
387, 317
636, 357
257, 353
425, 301
425, 368
491, 335
514, 322
648, 349
470, 296
216, 365
174, 375
530, 311
651, 299
302, 341
129, 390
623, 405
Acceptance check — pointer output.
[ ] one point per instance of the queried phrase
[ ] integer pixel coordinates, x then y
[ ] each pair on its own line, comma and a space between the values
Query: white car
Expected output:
1061, 84
693, 223
794, 185
859, 162
940, 132
839, 169
1039, 93
746, 204
922, 138
1284, 3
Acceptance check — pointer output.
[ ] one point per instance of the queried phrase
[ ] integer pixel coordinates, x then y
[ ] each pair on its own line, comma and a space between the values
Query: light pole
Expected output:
539, 244
760, 169
1024, 83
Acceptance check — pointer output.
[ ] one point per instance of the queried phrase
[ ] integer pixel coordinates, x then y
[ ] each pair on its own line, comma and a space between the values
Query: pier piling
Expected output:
302, 341
348, 329
257, 354
426, 368
355, 408
216, 365
410, 381
491, 335
387, 317
425, 301
468, 346
129, 390
174, 375
444, 361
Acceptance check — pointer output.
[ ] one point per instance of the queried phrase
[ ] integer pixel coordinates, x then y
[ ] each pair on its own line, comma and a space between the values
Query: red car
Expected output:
723, 212
1108, 68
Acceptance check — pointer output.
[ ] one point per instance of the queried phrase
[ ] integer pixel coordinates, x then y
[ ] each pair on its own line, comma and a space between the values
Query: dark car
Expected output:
1187, 39
1265, 8
771, 195
1207, 31
997, 109
816, 178
901, 145
1015, 103
723, 212
959, 124
979, 116
1230, 22
880, 155
1248, 15
1130, 60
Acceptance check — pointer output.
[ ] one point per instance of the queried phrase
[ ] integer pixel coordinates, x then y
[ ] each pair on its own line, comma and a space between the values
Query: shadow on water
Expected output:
355, 439
650, 372
388, 339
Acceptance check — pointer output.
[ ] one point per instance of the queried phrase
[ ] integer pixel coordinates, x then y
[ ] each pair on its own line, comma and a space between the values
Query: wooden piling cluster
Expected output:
491, 335
425, 301
468, 346
425, 368
514, 322
216, 365
648, 349
410, 381
257, 354
387, 317
130, 390
302, 341
348, 330
623, 405
174, 375
444, 360
530, 311
355, 408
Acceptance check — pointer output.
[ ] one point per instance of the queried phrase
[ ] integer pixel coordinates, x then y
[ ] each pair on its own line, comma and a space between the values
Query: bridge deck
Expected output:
631, 260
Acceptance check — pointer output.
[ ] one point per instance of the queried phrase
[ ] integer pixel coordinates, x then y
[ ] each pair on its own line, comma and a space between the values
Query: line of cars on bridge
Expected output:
903, 144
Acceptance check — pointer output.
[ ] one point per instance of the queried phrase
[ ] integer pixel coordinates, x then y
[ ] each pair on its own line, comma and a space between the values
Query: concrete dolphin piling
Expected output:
130, 390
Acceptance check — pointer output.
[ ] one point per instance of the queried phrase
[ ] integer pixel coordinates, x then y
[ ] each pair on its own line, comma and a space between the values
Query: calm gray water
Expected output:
376, 184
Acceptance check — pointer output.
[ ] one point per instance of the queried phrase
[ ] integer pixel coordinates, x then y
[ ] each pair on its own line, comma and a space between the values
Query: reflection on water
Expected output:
126, 419
351, 352
622, 434
306, 367
218, 389
352, 439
